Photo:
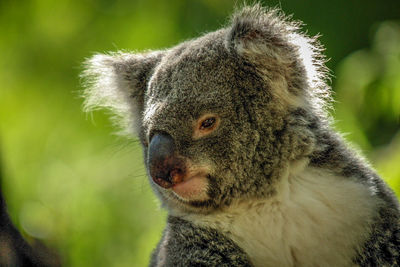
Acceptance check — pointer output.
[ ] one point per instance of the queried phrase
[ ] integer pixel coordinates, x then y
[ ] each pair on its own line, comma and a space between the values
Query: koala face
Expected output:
196, 132
213, 113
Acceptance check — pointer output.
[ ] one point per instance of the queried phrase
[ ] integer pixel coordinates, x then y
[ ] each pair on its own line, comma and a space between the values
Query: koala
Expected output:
239, 148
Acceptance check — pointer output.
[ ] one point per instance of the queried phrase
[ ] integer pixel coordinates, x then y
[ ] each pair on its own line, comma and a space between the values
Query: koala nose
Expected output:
164, 166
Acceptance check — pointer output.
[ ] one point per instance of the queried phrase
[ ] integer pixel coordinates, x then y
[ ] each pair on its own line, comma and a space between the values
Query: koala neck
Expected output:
316, 218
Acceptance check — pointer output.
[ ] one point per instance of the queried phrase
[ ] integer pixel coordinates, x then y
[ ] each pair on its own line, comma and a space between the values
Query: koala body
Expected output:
240, 151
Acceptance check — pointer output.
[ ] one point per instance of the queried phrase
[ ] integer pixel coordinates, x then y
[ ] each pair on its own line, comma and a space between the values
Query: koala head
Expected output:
216, 115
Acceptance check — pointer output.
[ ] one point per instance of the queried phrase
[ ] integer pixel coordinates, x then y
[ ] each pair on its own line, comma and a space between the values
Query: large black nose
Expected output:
165, 167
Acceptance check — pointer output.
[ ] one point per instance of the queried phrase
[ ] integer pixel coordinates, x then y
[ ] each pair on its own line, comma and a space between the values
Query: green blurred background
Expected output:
70, 182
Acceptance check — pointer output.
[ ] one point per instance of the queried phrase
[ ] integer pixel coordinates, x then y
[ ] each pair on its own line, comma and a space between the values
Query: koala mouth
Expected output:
192, 188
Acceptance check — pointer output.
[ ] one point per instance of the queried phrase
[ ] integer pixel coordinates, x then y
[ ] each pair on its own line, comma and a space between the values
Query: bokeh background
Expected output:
72, 183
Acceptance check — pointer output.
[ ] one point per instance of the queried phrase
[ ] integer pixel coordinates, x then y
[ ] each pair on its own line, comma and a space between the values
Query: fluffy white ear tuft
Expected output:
118, 82
288, 59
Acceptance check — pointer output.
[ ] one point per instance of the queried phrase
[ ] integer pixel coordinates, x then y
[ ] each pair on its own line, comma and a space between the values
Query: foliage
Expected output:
368, 100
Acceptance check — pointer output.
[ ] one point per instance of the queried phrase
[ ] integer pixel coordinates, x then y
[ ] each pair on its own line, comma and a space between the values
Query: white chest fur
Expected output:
316, 219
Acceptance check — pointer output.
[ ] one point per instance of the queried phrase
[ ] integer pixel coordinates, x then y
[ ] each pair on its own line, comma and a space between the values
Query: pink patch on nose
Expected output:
161, 182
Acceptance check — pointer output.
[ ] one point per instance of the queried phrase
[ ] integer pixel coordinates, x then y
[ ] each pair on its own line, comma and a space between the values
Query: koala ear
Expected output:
286, 58
257, 31
118, 82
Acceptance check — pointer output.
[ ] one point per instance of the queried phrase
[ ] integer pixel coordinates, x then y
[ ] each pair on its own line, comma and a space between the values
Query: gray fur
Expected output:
266, 80
196, 246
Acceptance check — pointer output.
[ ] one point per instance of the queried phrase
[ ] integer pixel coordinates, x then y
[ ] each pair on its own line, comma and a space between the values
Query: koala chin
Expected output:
241, 152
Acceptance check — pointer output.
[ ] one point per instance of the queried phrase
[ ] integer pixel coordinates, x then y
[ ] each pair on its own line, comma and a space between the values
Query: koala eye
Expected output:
208, 123
205, 125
